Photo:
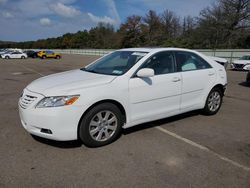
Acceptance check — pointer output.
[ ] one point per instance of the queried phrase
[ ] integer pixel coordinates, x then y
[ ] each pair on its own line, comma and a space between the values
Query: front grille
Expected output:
238, 66
27, 100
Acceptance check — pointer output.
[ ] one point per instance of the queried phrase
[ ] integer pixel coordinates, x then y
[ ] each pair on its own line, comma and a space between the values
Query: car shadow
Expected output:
134, 129
58, 144
160, 122
244, 84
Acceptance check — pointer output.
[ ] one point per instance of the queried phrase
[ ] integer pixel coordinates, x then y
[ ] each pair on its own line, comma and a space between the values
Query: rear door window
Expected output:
188, 61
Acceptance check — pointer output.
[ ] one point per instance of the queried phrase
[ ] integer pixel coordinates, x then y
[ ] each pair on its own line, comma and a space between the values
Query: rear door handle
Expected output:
211, 73
176, 79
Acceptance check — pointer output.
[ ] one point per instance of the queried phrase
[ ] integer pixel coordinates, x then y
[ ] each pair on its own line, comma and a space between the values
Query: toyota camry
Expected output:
120, 90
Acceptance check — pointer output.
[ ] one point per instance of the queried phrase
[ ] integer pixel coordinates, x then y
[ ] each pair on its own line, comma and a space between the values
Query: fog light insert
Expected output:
47, 131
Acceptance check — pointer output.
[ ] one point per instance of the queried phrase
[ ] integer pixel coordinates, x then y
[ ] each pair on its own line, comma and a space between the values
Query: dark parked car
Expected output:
248, 78
31, 53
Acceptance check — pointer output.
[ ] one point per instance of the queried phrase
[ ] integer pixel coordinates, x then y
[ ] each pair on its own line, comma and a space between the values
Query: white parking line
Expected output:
204, 148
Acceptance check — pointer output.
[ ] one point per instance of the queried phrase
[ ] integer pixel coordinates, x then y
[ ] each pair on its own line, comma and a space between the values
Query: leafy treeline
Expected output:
225, 24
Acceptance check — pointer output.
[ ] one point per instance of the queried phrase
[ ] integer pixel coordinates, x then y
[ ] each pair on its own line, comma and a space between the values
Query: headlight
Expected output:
57, 101
246, 67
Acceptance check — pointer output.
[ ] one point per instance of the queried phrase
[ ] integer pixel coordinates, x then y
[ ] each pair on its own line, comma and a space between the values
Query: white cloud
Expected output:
7, 15
33, 18
45, 22
64, 11
98, 19
113, 11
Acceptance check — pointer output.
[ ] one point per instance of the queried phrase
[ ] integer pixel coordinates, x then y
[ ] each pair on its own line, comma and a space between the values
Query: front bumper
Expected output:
56, 123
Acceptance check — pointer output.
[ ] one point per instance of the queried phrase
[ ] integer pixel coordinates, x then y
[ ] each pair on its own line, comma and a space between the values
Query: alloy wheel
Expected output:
214, 101
103, 126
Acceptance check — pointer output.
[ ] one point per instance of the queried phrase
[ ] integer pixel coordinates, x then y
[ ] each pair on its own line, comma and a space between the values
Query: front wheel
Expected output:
101, 125
23, 57
213, 102
7, 57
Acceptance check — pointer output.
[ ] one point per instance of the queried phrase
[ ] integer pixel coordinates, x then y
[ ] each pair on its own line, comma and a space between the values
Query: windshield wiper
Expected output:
84, 69
93, 71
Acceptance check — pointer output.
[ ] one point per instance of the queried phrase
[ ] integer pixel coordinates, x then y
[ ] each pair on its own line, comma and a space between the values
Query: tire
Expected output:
43, 57
22, 57
96, 121
7, 57
213, 102
58, 57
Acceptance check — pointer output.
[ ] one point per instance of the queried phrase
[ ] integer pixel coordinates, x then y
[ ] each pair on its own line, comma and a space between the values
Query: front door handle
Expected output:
211, 73
176, 79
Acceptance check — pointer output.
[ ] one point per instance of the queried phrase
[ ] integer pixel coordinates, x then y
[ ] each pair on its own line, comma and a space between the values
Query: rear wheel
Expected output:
213, 102
101, 125
43, 57
58, 57
7, 57
23, 57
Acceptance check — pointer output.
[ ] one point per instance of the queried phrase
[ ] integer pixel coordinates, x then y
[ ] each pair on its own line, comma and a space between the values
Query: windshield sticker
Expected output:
139, 53
117, 72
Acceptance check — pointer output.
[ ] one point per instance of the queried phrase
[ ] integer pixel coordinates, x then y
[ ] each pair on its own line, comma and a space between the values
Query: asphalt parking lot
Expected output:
189, 150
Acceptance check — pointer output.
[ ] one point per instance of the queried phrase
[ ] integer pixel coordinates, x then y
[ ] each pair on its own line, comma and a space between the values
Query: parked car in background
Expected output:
220, 60
120, 90
16, 50
247, 67
48, 54
241, 63
248, 78
3, 51
14, 55
31, 53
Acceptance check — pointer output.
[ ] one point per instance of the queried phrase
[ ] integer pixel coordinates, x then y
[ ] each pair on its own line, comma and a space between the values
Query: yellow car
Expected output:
48, 54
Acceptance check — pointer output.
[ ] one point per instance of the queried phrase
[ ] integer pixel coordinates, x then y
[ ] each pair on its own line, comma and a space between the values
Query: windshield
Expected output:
116, 63
245, 57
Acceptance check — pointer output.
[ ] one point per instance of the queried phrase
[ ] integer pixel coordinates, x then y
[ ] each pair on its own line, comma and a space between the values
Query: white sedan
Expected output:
120, 90
241, 63
14, 55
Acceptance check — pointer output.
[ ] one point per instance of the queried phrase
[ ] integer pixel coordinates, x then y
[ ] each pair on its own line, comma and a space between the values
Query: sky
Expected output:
24, 20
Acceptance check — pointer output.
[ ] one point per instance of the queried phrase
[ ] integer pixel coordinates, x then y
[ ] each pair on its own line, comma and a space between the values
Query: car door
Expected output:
197, 77
158, 96
18, 55
50, 54
13, 55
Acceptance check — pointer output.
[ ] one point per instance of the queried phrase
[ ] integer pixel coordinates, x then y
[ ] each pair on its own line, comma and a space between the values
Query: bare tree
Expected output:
225, 22
171, 24
153, 28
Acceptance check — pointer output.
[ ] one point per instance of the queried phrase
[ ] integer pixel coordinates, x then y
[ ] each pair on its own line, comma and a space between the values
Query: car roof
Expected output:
153, 50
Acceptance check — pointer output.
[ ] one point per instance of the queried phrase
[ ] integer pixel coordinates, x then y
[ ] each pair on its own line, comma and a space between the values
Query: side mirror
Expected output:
145, 73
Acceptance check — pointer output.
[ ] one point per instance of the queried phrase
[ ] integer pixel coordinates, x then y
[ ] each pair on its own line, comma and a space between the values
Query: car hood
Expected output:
67, 82
242, 61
